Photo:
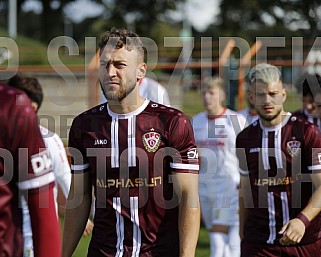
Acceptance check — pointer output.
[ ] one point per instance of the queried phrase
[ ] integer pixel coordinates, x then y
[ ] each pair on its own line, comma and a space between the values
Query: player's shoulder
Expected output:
232, 113
50, 138
89, 116
302, 125
200, 116
158, 109
297, 121
249, 131
46, 132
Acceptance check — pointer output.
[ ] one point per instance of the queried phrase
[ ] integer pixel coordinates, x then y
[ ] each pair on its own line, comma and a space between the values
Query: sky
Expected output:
200, 14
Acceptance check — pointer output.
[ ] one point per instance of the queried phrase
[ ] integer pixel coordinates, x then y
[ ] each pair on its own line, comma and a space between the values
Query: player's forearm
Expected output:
75, 222
313, 208
189, 225
45, 227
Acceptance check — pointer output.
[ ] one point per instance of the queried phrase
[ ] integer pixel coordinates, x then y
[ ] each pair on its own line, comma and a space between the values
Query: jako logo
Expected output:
41, 162
101, 142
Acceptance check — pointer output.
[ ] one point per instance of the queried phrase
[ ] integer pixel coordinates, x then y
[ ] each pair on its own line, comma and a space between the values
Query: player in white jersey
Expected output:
152, 90
62, 175
215, 133
57, 153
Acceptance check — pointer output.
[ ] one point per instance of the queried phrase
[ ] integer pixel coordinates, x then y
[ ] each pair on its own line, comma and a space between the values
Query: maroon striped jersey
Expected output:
22, 166
131, 158
278, 162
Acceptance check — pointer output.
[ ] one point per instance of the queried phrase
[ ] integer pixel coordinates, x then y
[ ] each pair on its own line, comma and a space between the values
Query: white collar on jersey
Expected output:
278, 126
130, 114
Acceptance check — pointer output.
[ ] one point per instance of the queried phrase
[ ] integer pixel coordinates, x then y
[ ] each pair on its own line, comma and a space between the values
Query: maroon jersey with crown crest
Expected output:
131, 158
279, 162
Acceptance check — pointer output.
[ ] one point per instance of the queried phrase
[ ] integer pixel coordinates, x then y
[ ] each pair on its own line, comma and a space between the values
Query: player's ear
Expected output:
34, 106
222, 96
141, 71
284, 94
250, 96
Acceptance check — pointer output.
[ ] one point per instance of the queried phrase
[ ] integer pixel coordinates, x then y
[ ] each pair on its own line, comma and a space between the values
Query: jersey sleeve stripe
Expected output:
314, 167
183, 166
80, 167
243, 172
37, 182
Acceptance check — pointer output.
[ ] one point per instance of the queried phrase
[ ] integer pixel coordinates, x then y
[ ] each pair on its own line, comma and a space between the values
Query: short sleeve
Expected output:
181, 139
240, 154
79, 160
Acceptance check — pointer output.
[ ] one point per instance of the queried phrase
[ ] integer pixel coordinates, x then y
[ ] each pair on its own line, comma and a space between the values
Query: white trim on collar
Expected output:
130, 114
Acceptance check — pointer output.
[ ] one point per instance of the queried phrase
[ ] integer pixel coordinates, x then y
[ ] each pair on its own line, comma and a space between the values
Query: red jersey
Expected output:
131, 158
278, 162
22, 167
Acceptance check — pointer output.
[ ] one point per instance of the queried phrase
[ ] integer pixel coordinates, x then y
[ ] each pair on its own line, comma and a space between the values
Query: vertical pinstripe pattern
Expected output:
131, 141
265, 150
285, 207
278, 149
114, 144
136, 229
272, 221
119, 227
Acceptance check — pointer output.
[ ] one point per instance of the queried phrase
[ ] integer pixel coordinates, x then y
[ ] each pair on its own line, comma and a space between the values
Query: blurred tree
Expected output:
51, 18
137, 15
238, 16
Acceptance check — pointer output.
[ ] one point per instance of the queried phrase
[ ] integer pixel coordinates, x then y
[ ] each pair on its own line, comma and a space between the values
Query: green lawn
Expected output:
201, 251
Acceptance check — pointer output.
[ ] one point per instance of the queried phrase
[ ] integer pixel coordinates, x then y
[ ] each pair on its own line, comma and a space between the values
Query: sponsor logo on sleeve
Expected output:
192, 153
41, 162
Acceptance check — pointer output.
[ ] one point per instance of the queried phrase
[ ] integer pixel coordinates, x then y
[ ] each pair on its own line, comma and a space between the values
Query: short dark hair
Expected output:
30, 86
125, 38
309, 84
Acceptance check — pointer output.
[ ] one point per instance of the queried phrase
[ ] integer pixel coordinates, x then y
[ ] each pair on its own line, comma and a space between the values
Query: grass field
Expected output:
191, 105
202, 246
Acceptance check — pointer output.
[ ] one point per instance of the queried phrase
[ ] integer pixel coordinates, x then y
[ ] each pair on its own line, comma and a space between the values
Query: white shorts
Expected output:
218, 207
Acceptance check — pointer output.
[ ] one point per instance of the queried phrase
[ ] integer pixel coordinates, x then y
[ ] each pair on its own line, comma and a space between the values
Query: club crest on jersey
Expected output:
151, 141
293, 147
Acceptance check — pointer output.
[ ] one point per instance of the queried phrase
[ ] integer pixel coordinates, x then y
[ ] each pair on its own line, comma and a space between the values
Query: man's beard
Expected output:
119, 94
267, 117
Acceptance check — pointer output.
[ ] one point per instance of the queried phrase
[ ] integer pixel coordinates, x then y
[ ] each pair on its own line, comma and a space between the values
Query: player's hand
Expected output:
88, 229
293, 231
